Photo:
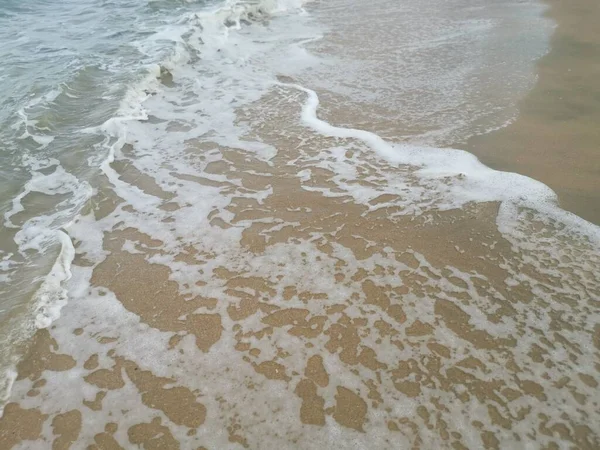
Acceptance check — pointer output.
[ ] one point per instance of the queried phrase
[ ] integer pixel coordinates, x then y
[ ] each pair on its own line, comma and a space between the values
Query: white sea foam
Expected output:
36, 237
475, 181
38, 232
52, 295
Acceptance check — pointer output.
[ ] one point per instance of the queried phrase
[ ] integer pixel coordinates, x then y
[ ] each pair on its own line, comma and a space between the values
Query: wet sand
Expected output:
401, 330
556, 138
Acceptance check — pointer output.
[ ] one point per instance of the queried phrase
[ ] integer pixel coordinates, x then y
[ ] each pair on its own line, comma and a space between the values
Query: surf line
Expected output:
477, 182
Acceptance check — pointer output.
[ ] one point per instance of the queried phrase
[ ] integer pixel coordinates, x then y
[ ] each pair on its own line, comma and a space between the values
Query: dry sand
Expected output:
556, 138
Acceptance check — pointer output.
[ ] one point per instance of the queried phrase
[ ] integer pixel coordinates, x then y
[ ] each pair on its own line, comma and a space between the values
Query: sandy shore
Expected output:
556, 138
319, 306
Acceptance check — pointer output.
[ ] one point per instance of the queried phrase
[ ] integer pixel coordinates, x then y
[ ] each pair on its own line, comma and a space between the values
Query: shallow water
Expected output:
255, 268
432, 72
67, 67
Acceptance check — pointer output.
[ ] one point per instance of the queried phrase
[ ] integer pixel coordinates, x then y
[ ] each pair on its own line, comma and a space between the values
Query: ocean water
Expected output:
69, 67
250, 210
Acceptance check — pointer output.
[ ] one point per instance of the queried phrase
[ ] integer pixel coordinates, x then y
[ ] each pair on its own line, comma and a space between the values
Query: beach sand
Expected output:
337, 320
556, 137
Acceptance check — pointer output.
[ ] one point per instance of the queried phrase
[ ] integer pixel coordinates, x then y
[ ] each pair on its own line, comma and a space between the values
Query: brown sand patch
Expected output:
96, 404
272, 370
458, 321
311, 410
350, 410
42, 356
67, 426
91, 363
109, 379
235, 435
316, 371
105, 440
145, 289
178, 403
152, 436
19, 425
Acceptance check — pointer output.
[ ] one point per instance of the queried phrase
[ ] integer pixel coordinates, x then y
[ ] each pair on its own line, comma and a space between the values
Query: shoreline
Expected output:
555, 138
226, 295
